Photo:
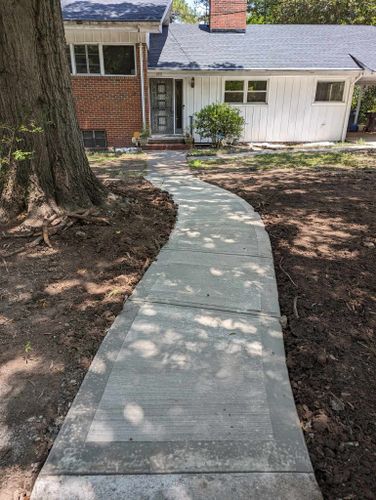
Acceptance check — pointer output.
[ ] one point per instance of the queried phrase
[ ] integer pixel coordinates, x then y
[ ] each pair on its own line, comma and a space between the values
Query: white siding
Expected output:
291, 115
96, 35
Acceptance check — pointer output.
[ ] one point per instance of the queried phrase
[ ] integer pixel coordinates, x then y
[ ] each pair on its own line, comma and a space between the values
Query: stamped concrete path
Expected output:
189, 396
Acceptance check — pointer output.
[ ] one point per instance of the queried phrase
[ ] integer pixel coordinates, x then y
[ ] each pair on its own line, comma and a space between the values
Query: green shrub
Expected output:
221, 123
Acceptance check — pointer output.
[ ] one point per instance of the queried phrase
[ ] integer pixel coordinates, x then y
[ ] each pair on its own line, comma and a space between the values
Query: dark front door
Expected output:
162, 105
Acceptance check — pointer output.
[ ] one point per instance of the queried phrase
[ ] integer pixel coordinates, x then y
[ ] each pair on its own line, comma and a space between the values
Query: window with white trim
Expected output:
87, 59
102, 59
246, 91
330, 91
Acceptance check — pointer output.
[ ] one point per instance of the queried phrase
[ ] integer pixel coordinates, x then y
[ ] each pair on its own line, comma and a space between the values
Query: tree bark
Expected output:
35, 86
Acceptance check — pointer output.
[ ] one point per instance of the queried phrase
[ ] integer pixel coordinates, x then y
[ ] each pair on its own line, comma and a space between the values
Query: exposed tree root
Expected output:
51, 226
46, 237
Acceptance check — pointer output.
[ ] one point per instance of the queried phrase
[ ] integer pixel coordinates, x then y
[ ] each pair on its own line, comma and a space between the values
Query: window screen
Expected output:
87, 59
257, 90
234, 91
243, 91
330, 91
119, 60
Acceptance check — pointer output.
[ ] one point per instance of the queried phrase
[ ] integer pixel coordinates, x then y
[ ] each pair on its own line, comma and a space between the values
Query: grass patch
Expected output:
106, 156
202, 152
292, 160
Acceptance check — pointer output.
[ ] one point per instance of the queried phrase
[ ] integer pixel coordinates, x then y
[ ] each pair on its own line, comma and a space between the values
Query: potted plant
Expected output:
144, 136
188, 139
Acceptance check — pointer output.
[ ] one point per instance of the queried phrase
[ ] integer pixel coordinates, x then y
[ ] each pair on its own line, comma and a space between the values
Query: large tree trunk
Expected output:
35, 87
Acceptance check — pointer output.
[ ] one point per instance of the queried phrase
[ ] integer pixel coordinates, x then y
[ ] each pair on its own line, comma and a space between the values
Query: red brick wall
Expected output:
112, 103
228, 15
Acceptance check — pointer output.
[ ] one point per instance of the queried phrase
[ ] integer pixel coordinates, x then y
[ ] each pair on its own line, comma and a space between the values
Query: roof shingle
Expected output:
114, 10
187, 47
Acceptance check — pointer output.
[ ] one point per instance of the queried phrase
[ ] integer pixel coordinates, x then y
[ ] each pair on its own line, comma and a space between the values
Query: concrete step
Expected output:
169, 139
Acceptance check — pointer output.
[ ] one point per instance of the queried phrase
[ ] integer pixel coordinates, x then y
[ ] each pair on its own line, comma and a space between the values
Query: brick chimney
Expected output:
228, 15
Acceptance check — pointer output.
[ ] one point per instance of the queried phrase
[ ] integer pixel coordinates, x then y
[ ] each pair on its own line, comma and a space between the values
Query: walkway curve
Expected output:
188, 396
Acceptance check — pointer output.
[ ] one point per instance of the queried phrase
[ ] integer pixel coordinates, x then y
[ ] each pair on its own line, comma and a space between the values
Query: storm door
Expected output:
162, 106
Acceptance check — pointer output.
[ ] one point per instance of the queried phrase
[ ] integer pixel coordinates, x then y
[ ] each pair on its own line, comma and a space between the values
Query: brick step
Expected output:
166, 140
166, 146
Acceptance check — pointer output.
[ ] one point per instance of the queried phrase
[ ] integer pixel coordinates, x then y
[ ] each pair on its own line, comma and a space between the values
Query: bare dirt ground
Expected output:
322, 224
56, 305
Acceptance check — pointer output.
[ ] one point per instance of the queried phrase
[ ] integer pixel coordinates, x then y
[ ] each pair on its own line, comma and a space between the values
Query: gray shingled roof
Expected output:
114, 10
183, 46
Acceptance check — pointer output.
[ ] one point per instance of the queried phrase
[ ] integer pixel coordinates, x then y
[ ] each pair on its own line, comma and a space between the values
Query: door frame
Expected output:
173, 78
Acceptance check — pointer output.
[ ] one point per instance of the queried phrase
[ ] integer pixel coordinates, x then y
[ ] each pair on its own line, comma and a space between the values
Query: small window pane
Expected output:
119, 60
80, 56
256, 97
234, 97
88, 137
234, 85
93, 56
337, 92
257, 85
330, 91
67, 51
100, 139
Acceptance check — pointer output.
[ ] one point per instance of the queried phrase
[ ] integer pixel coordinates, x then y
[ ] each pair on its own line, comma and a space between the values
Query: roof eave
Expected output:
143, 26
279, 70
165, 21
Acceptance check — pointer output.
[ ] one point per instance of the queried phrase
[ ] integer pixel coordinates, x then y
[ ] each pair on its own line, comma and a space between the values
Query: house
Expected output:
133, 69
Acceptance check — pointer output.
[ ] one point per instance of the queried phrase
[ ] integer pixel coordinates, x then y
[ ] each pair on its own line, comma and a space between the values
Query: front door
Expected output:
162, 106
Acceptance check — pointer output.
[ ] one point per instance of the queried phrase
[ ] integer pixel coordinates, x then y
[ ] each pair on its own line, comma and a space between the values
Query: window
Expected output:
94, 139
330, 91
246, 91
87, 59
118, 60
257, 91
102, 60
234, 91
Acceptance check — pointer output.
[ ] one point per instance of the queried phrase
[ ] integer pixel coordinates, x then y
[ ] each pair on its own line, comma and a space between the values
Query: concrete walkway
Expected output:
188, 396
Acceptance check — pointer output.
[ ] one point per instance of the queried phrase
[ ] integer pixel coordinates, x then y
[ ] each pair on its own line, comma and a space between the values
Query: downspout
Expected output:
142, 81
349, 97
358, 106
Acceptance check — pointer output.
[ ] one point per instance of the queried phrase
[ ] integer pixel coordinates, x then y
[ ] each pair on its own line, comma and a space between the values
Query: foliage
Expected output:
312, 11
183, 13
11, 140
219, 122
305, 11
368, 102
145, 134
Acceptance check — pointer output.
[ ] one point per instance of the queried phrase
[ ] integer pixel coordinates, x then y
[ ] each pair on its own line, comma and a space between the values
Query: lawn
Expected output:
320, 213
268, 161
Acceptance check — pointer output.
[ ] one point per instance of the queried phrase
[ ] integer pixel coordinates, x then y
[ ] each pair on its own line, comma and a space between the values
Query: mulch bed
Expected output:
322, 224
55, 307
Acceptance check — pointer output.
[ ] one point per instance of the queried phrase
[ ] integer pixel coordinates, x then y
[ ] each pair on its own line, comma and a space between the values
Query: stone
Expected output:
337, 405
283, 320
369, 244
